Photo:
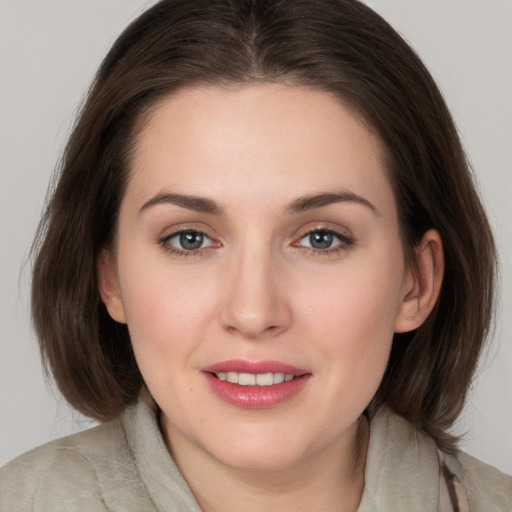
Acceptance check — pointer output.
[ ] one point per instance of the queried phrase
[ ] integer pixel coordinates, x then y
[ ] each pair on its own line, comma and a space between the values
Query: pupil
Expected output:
320, 240
191, 241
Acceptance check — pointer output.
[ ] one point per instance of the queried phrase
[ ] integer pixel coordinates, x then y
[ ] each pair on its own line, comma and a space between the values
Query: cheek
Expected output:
356, 329
166, 312
353, 323
357, 301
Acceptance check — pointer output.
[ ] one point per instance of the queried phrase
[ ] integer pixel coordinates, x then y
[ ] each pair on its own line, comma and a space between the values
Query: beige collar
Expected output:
401, 475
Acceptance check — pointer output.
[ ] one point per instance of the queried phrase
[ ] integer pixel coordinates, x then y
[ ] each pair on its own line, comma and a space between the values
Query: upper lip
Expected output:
254, 367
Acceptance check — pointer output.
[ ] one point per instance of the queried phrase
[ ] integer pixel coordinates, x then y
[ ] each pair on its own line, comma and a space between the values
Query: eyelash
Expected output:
345, 243
164, 242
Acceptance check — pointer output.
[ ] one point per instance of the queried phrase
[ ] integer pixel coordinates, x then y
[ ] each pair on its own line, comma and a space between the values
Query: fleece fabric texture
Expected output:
124, 466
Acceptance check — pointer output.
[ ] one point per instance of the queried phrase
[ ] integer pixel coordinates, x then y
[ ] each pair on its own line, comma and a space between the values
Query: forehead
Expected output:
256, 138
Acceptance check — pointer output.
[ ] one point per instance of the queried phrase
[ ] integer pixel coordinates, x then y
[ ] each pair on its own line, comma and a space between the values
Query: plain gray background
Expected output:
49, 51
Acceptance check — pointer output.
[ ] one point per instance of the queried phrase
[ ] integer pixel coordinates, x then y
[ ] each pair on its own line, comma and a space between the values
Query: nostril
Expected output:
253, 319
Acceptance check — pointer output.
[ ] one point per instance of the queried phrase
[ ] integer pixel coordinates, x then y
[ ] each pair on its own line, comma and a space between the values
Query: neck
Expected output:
331, 479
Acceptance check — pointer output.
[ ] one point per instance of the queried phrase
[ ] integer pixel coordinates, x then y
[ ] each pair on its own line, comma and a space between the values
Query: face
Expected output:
260, 271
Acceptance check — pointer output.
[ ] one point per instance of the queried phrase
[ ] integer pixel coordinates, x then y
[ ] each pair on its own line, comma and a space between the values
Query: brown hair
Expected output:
340, 46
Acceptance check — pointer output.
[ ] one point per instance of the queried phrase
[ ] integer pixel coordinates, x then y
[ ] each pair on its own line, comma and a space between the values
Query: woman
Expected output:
266, 269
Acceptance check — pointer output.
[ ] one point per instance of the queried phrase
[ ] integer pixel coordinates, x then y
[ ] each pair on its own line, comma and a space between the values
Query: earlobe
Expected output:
108, 286
422, 284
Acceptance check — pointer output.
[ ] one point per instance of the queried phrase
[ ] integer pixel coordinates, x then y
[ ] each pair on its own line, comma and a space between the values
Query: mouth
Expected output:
255, 385
251, 379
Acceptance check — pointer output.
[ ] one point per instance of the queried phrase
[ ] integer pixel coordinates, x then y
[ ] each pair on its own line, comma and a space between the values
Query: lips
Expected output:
255, 385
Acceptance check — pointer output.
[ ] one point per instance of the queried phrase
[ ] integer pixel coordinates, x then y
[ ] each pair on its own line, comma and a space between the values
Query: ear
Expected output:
422, 283
109, 287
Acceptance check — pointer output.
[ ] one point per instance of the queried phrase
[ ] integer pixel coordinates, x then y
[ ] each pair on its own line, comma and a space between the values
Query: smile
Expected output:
255, 385
250, 379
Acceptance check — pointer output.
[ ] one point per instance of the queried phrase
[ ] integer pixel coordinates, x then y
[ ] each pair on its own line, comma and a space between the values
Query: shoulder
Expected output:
85, 471
489, 490
404, 467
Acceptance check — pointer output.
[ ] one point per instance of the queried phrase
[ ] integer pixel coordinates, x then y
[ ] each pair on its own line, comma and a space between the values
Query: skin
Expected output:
257, 291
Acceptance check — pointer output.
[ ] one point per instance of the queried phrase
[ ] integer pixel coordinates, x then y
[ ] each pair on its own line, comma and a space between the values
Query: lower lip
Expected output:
255, 397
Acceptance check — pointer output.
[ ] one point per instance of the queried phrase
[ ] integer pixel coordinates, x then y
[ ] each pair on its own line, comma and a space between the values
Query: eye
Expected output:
186, 241
324, 240
318, 240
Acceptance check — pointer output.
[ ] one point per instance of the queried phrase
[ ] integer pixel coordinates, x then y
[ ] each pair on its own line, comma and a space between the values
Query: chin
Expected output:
260, 451
254, 461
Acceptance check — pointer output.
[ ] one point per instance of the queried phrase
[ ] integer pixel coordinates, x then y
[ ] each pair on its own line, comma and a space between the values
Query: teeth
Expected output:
264, 379
232, 377
250, 379
279, 377
246, 379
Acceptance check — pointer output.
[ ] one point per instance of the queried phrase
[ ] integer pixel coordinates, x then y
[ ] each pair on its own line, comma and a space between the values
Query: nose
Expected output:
255, 305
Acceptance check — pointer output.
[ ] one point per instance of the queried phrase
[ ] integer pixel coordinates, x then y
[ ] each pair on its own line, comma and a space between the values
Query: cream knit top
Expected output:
124, 466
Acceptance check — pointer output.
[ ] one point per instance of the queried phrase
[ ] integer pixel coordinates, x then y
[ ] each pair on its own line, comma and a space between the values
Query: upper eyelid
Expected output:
182, 231
345, 241
171, 231
342, 234
187, 230
173, 234
328, 230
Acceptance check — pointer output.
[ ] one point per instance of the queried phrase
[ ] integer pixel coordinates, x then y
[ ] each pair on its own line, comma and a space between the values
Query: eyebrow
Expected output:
299, 205
313, 201
196, 203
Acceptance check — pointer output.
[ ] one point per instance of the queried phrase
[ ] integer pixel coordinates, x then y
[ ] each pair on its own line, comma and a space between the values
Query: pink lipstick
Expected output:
255, 385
